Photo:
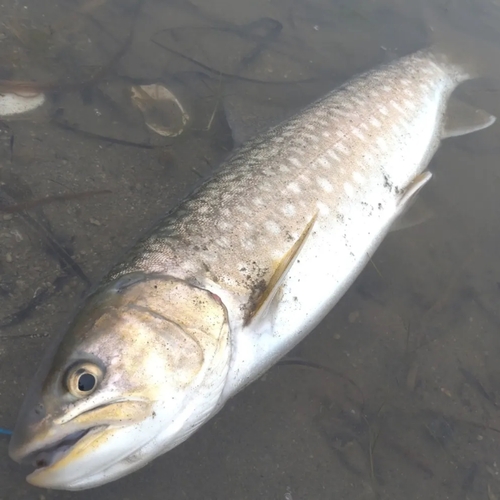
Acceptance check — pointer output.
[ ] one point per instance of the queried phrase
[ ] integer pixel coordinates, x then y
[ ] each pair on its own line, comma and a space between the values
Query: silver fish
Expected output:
236, 275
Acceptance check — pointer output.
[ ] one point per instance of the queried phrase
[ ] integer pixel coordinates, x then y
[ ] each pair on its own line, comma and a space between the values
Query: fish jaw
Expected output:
164, 349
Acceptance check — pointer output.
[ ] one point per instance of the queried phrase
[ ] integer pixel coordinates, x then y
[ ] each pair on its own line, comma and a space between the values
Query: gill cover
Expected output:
141, 367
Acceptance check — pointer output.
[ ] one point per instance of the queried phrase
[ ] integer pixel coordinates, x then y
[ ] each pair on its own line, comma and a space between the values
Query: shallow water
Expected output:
410, 409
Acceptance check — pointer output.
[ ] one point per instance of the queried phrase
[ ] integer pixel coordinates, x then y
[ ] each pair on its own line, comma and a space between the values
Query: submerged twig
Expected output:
225, 74
50, 199
15, 318
318, 366
46, 234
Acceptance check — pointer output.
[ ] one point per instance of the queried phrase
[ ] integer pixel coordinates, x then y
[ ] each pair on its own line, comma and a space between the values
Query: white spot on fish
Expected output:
258, 201
349, 190
376, 123
284, 168
304, 179
405, 81
323, 162
309, 126
434, 66
409, 104
324, 123
210, 256
272, 227
340, 134
295, 161
386, 88
326, 134
395, 105
383, 110
324, 184
340, 146
243, 209
408, 92
247, 244
333, 155
294, 187
224, 226
358, 133
289, 210
223, 242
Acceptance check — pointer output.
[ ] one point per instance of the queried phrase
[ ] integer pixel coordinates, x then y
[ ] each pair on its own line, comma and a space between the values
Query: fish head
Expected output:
141, 367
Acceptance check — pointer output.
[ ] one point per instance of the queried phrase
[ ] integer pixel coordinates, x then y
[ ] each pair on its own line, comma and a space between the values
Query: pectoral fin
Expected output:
263, 302
462, 118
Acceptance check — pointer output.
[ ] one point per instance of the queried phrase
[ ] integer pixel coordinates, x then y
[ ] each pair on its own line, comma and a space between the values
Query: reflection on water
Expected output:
398, 397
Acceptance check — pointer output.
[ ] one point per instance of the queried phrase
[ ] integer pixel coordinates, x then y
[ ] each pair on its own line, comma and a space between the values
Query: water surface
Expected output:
407, 405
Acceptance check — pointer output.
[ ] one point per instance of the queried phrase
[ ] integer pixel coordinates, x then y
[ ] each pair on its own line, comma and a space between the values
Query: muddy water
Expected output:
403, 400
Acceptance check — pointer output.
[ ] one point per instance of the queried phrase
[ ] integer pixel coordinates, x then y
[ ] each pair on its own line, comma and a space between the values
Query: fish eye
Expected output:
83, 379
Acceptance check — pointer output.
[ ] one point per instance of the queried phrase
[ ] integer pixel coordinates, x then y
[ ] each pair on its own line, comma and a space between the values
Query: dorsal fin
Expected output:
266, 297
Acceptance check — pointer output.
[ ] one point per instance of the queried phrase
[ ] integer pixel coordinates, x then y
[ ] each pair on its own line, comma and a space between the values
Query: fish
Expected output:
237, 274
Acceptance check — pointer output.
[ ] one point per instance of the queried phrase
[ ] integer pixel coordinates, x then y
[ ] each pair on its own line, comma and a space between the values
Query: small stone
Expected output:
353, 316
17, 235
479, 437
8, 257
336, 336
95, 222
7, 217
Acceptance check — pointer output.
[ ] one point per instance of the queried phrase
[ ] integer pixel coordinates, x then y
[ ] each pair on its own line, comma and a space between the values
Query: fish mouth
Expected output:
51, 454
